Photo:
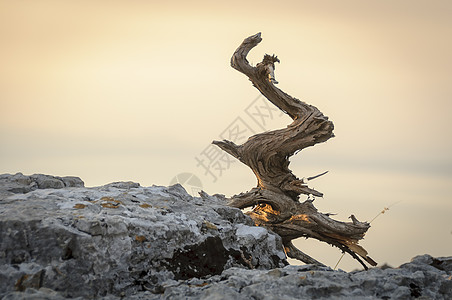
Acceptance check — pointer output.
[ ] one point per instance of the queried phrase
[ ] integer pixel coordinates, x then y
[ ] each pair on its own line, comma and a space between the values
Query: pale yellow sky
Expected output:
135, 90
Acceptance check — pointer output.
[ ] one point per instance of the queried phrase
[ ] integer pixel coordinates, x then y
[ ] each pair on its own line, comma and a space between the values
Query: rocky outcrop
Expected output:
19, 183
121, 240
424, 278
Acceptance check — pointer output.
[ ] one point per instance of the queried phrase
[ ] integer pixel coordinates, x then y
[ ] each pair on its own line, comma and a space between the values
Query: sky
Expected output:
137, 90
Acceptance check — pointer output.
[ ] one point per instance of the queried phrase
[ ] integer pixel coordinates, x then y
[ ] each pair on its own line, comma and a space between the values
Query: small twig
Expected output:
294, 252
316, 176
384, 210
380, 213
339, 261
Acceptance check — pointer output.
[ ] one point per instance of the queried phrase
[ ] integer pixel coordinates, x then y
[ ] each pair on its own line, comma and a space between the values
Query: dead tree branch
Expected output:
275, 199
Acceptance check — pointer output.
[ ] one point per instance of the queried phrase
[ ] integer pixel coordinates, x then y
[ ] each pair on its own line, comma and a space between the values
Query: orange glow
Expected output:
300, 217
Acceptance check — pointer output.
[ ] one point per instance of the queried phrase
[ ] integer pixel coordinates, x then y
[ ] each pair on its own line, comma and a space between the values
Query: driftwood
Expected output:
276, 197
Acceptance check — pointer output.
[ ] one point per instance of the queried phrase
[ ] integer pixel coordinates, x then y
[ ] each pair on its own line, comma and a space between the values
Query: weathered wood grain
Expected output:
276, 197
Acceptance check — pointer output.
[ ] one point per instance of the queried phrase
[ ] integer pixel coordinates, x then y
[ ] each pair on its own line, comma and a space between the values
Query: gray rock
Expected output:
22, 184
313, 282
72, 181
122, 241
47, 182
17, 183
119, 239
123, 185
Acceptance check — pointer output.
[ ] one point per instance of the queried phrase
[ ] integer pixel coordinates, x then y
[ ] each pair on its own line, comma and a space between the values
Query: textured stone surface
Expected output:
119, 239
19, 183
424, 278
124, 241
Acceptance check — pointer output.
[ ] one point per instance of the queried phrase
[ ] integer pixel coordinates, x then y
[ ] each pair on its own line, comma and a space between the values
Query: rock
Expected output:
16, 184
19, 183
119, 239
71, 181
124, 241
314, 282
123, 185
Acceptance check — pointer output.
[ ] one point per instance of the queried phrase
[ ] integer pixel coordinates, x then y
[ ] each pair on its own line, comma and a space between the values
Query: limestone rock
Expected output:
125, 241
119, 239
19, 183
431, 280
